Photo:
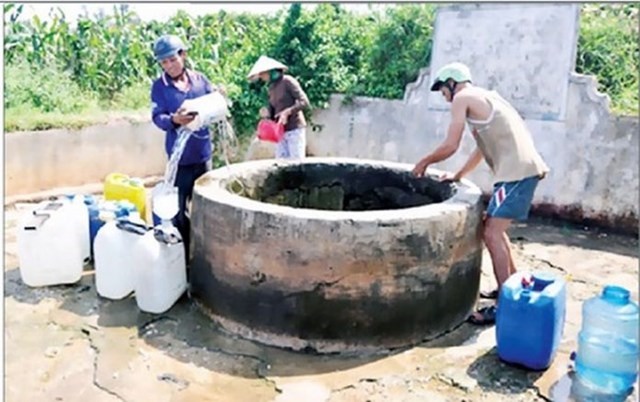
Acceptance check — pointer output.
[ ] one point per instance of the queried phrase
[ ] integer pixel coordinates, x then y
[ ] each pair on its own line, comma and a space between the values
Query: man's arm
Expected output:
159, 114
451, 144
472, 163
208, 87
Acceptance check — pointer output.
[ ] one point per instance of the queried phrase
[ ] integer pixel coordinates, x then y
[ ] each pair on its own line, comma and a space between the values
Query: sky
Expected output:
163, 11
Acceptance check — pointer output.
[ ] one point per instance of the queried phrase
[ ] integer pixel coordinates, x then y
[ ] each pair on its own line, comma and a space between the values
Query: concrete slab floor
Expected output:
66, 344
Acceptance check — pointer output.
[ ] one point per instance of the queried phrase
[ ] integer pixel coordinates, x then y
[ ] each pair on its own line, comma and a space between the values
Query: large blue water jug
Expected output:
607, 357
530, 319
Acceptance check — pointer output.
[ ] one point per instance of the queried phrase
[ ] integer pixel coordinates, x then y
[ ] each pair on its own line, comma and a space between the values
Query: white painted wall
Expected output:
526, 52
43, 160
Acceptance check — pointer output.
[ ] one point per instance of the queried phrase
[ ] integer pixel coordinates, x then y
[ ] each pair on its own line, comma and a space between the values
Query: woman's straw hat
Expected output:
263, 64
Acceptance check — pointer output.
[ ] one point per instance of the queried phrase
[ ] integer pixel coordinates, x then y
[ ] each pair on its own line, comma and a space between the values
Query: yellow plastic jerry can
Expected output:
118, 186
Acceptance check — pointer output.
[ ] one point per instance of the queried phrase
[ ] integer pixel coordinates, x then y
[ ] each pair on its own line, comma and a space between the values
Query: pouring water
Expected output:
165, 194
209, 109
165, 201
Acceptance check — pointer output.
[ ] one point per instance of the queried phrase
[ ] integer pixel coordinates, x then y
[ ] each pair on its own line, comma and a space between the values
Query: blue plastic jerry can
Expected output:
530, 319
117, 208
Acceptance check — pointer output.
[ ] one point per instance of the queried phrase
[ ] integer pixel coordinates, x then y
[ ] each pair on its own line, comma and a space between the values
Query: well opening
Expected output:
346, 187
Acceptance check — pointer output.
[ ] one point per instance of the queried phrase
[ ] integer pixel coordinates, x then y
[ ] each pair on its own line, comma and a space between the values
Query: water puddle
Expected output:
569, 389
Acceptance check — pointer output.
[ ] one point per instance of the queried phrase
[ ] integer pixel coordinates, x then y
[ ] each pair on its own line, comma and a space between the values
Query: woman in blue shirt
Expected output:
174, 86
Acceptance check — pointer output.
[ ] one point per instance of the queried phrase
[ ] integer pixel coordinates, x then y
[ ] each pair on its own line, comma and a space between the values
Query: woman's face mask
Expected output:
274, 75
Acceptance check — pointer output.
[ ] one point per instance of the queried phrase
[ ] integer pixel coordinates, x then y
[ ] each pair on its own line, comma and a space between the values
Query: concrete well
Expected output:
335, 254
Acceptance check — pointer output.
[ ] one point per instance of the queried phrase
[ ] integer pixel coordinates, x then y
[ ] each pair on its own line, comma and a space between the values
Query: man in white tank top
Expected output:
504, 142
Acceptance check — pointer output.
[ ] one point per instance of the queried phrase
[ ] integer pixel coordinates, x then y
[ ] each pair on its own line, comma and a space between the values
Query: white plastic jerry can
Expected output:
160, 269
114, 247
49, 247
210, 108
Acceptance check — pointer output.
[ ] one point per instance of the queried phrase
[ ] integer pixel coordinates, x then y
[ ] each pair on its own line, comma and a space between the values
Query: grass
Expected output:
626, 104
51, 99
30, 119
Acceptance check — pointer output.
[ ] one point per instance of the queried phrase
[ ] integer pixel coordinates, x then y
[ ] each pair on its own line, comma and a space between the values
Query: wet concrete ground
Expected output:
67, 344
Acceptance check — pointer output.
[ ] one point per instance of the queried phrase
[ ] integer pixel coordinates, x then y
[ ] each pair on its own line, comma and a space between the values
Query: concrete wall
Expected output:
526, 52
42, 160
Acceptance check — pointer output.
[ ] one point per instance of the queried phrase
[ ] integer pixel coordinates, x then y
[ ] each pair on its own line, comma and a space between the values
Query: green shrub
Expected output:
402, 47
608, 48
47, 89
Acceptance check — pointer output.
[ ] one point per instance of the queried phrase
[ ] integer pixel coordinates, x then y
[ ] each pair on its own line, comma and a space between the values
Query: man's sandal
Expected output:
492, 294
488, 316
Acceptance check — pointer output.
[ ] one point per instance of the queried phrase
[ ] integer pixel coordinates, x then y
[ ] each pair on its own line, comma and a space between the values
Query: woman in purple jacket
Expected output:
174, 86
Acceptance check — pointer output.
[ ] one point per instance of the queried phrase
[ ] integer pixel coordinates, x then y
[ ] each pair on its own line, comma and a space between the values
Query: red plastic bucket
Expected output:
269, 130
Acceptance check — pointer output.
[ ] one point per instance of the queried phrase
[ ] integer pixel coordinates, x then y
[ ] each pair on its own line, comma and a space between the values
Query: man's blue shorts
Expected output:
512, 199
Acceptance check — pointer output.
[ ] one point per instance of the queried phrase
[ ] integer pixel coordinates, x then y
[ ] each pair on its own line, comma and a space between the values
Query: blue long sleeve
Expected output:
166, 99
159, 113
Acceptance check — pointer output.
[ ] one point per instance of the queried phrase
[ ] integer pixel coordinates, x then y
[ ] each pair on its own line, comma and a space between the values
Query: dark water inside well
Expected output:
350, 187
